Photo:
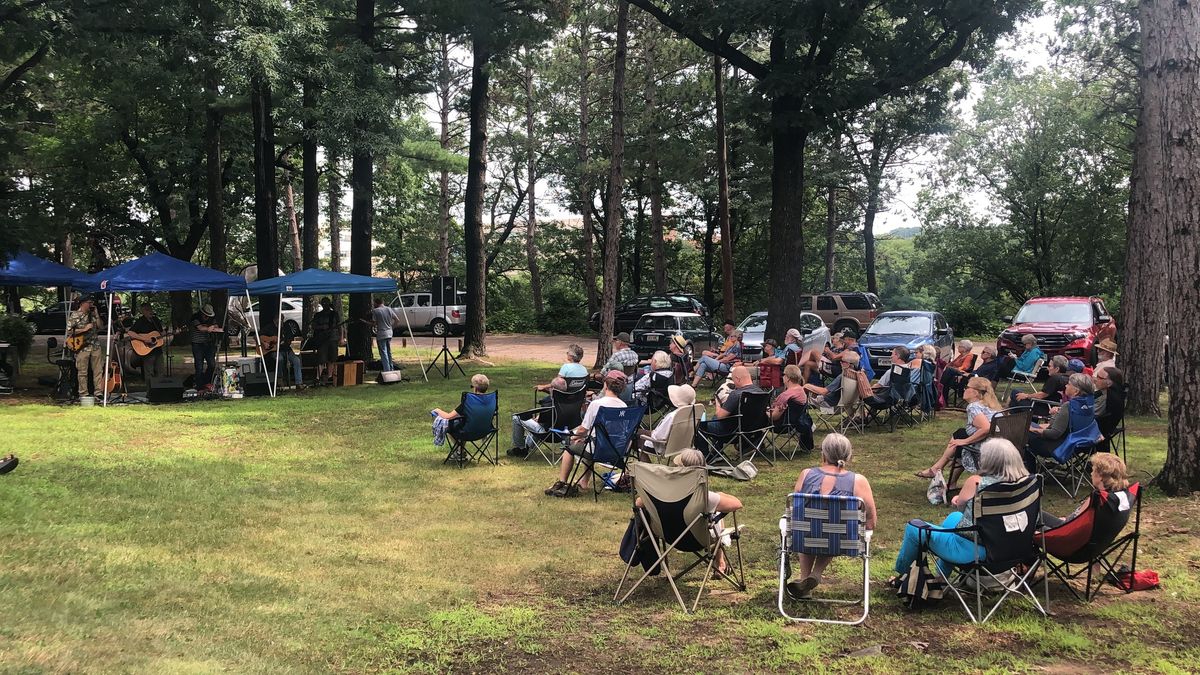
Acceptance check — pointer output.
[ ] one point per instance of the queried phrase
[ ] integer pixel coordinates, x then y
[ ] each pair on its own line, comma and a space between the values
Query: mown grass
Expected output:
320, 532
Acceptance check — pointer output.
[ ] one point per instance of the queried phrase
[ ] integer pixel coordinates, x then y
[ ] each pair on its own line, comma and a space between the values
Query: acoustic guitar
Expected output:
267, 344
76, 342
153, 340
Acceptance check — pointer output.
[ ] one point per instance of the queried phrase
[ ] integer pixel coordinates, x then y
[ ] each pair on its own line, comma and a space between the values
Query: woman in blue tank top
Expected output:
830, 478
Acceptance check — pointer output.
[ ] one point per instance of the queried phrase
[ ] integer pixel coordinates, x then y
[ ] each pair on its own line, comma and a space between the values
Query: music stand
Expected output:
445, 354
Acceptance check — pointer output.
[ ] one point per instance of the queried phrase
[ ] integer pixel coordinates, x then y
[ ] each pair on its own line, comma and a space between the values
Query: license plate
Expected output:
882, 362
651, 337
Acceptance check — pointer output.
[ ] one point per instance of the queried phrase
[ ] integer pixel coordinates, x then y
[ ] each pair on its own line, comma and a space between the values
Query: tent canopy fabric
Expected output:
25, 269
158, 272
312, 282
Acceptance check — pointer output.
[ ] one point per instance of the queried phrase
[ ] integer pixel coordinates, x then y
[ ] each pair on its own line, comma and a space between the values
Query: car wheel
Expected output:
34, 326
843, 325
291, 326
439, 327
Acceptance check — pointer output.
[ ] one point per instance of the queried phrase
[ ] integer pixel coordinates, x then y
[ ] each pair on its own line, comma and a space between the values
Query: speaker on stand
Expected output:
445, 292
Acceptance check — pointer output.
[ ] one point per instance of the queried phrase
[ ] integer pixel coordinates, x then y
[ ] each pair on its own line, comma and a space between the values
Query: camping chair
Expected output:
1068, 466
609, 444
470, 441
564, 413
897, 401
1006, 519
1023, 378
674, 518
752, 423
1011, 424
657, 400
793, 430
847, 409
1092, 539
825, 525
1114, 433
682, 432
926, 393
770, 376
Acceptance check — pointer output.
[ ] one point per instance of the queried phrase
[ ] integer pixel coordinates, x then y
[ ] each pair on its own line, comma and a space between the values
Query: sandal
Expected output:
926, 474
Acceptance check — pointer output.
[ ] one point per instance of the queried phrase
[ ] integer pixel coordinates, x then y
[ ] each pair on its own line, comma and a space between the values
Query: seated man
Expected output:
885, 397
526, 424
721, 363
831, 396
987, 366
770, 366
281, 346
722, 429
729, 340
1052, 389
850, 342
1106, 354
622, 356
612, 386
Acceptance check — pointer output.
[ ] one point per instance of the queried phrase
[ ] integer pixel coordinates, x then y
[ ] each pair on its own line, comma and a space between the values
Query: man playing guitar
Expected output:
83, 325
206, 332
147, 336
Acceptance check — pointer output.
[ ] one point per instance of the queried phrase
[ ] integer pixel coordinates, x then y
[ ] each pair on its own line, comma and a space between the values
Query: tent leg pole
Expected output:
107, 349
278, 345
416, 349
261, 356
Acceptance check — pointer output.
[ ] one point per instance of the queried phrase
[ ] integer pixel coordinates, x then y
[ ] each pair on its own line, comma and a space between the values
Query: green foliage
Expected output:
16, 331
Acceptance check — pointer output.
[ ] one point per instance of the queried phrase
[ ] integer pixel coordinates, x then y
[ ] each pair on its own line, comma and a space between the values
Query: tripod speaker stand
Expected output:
445, 292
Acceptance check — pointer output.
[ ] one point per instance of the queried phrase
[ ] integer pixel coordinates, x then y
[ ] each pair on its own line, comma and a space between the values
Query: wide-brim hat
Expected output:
1108, 345
681, 395
207, 310
679, 341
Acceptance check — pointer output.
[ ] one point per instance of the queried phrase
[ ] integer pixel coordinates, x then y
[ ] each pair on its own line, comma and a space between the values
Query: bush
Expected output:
16, 331
971, 317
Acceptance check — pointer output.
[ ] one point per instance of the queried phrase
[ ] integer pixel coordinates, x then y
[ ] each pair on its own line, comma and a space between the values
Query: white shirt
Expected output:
663, 429
589, 417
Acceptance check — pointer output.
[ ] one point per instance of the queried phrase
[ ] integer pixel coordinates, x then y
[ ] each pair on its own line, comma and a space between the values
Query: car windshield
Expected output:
755, 323
1055, 312
656, 323
906, 325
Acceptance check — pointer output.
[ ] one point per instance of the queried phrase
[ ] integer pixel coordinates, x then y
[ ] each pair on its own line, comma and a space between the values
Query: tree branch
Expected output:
725, 50
25, 67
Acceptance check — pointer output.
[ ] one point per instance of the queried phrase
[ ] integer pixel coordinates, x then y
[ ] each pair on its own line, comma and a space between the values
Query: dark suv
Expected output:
655, 330
631, 310
842, 310
1071, 326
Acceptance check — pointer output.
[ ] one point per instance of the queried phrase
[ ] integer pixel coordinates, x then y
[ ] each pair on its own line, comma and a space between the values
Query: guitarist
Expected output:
143, 330
283, 346
84, 324
326, 338
205, 332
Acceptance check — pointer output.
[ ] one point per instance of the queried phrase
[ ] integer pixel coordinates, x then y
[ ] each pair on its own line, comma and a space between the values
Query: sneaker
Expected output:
801, 590
572, 491
518, 452
558, 485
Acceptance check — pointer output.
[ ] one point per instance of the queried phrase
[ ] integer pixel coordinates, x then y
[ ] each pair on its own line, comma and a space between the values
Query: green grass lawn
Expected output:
321, 532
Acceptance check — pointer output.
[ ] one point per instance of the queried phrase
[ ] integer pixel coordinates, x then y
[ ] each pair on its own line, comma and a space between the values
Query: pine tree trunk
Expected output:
728, 311
616, 183
830, 237
266, 224
535, 278
214, 210
710, 232
874, 180
444, 104
310, 185
475, 330
1171, 96
639, 230
334, 213
362, 205
583, 151
657, 227
785, 257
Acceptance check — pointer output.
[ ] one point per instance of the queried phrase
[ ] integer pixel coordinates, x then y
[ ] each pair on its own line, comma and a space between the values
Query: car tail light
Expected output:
454, 314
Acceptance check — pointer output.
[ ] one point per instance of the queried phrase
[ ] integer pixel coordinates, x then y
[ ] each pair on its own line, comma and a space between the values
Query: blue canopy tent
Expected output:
155, 273
26, 269
314, 282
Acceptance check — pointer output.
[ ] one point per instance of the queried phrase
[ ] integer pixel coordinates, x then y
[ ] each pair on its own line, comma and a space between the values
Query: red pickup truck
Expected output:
1071, 326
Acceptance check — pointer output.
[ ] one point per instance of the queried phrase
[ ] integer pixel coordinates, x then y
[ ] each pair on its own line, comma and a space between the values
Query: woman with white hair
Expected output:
999, 462
955, 376
660, 364
830, 478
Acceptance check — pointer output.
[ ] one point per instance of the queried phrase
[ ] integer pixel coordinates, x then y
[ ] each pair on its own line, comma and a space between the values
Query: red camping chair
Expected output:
1094, 538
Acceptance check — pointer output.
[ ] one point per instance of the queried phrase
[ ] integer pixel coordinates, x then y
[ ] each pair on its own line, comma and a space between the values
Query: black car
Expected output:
655, 330
52, 319
628, 312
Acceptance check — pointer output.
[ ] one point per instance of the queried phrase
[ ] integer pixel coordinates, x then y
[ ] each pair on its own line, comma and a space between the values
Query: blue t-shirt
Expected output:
792, 347
864, 362
570, 370
1026, 360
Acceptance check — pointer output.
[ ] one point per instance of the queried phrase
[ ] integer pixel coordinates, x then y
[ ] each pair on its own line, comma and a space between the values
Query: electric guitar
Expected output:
152, 341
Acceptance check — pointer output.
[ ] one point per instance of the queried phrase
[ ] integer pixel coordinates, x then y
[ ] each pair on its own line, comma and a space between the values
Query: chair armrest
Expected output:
532, 411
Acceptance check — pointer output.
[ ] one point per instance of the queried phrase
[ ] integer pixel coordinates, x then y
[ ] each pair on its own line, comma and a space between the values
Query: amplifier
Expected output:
255, 384
165, 389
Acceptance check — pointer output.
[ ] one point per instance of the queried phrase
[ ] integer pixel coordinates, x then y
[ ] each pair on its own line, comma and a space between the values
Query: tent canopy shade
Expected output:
314, 282
158, 272
25, 269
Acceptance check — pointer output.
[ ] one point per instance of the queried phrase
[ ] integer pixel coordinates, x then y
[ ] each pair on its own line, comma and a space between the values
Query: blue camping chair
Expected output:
609, 444
896, 403
1069, 465
470, 440
825, 525
926, 392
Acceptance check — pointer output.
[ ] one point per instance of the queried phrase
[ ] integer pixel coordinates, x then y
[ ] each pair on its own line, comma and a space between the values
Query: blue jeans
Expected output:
294, 361
385, 352
947, 546
205, 357
708, 364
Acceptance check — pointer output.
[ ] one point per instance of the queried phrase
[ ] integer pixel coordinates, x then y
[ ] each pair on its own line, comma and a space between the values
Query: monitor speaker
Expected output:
444, 291
165, 389
255, 384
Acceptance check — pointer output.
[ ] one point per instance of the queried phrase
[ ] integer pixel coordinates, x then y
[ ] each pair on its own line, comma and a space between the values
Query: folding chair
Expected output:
1068, 466
657, 400
609, 444
752, 424
770, 377
1114, 431
847, 408
470, 441
674, 518
1011, 424
926, 393
1006, 518
825, 525
1093, 539
1023, 378
565, 413
896, 403
793, 430
682, 432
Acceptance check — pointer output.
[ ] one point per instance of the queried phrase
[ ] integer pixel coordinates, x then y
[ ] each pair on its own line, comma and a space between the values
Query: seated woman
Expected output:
1110, 400
1047, 436
722, 363
572, 370
681, 396
1025, 361
831, 395
718, 502
612, 385
793, 390
999, 462
1108, 475
958, 371
454, 420
770, 366
981, 406
830, 478
660, 364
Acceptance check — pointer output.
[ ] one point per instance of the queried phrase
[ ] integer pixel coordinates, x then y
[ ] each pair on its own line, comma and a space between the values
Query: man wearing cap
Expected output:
722, 363
204, 334
681, 396
850, 340
622, 357
1106, 354
85, 323
613, 384
792, 343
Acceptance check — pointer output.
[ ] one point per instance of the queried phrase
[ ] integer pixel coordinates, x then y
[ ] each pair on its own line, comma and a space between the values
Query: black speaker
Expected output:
255, 384
165, 389
444, 291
